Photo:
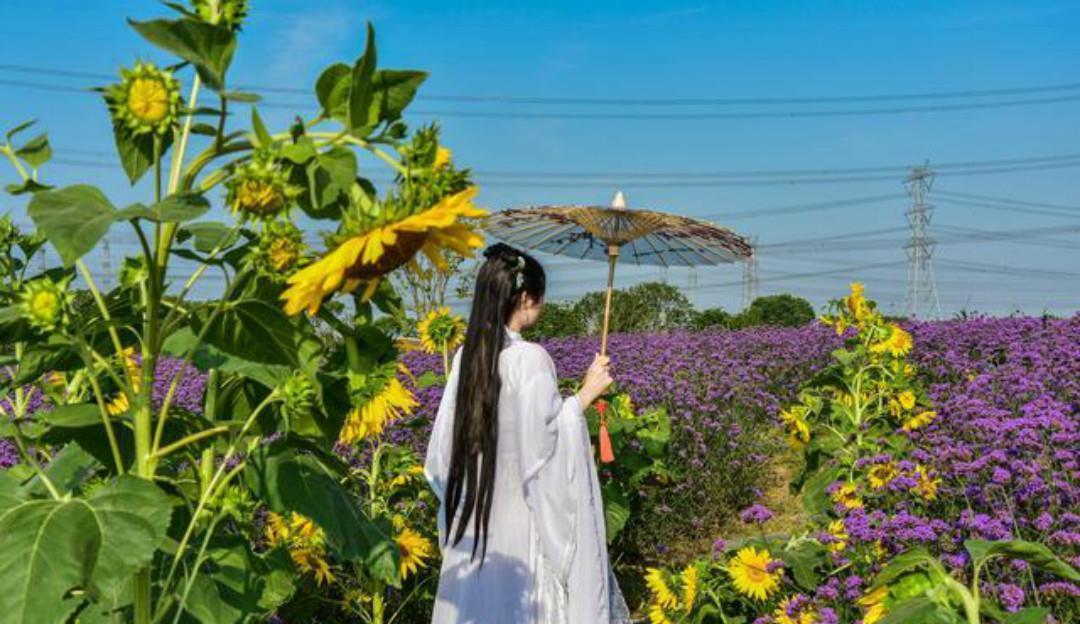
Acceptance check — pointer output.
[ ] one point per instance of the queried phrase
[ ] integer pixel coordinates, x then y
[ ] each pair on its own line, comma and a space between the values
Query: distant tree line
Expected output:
656, 306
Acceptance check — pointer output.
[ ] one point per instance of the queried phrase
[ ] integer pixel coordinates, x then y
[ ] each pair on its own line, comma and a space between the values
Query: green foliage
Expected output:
781, 310
557, 319
712, 318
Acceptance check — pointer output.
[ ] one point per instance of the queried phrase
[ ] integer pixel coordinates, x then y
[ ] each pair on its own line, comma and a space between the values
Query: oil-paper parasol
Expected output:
643, 237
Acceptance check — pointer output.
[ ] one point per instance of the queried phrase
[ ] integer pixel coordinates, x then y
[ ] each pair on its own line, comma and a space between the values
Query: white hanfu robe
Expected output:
546, 559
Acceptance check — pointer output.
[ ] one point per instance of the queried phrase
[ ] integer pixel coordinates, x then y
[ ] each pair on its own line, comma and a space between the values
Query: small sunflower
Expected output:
443, 156
749, 570
260, 189
919, 420
797, 427
44, 303
661, 592
856, 303
441, 331
381, 398
882, 475
848, 496
838, 535
926, 485
145, 101
312, 560
414, 549
906, 399
118, 405
897, 343
873, 605
796, 609
370, 255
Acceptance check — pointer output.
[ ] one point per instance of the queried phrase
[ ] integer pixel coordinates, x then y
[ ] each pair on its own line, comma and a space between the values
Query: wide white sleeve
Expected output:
437, 462
553, 446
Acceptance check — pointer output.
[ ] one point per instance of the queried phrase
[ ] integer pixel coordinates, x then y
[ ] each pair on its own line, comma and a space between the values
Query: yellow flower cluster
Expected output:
794, 419
305, 542
672, 593
389, 404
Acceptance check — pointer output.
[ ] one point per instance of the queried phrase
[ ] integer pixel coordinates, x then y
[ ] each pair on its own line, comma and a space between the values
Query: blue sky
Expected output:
671, 50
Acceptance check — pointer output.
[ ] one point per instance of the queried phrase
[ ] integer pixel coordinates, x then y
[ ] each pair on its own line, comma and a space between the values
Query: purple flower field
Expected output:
1006, 440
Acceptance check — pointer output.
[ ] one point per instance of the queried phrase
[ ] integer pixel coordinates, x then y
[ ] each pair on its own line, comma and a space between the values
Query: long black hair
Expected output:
506, 275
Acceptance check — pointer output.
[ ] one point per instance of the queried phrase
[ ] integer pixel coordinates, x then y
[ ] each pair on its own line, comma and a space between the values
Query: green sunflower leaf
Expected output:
73, 218
208, 47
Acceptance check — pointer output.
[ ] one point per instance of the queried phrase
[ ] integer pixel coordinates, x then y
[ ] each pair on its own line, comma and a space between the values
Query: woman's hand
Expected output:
596, 381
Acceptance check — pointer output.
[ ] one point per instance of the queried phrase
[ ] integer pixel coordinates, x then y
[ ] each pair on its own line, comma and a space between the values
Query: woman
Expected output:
521, 523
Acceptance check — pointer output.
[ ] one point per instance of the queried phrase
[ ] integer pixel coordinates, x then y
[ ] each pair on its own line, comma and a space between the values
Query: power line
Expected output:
617, 116
623, 101
1006, 200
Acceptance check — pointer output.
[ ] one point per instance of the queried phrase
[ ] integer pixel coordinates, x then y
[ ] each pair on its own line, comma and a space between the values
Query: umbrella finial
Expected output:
619, 201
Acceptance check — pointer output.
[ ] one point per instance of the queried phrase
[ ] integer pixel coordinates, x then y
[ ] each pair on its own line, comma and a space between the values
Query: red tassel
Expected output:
607, 455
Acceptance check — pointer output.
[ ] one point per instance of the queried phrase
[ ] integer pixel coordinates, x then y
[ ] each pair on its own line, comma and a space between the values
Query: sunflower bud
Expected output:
145, 101
259, 189
298, 396
229, 13
44, 303
280, 249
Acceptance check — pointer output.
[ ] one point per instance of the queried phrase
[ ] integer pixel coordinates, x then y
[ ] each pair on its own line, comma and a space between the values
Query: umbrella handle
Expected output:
613, 257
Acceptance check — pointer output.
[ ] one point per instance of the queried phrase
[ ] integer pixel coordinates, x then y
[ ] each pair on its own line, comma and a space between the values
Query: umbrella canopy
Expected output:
644, 237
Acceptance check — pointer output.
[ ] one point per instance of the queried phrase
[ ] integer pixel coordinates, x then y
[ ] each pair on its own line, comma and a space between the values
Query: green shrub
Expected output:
712, 318
781, 310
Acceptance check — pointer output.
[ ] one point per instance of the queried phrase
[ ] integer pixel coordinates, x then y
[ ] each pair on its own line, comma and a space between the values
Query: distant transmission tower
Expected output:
922, 297
750, 275
106, 265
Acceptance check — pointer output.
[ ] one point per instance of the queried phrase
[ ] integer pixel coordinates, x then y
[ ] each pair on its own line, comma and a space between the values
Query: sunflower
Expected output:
443, 156
897, 343
657, 615
276, 530
795, 610
749, 571
118, 405
919, 420
926, 486
848, 496
391, 402
312, 560
304, 540
440, 331
690, 586
838, 535
873, 604
856, 303
414, 549
882, 475
906, 399
145, 101
661, 591
797, 427
376, 252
